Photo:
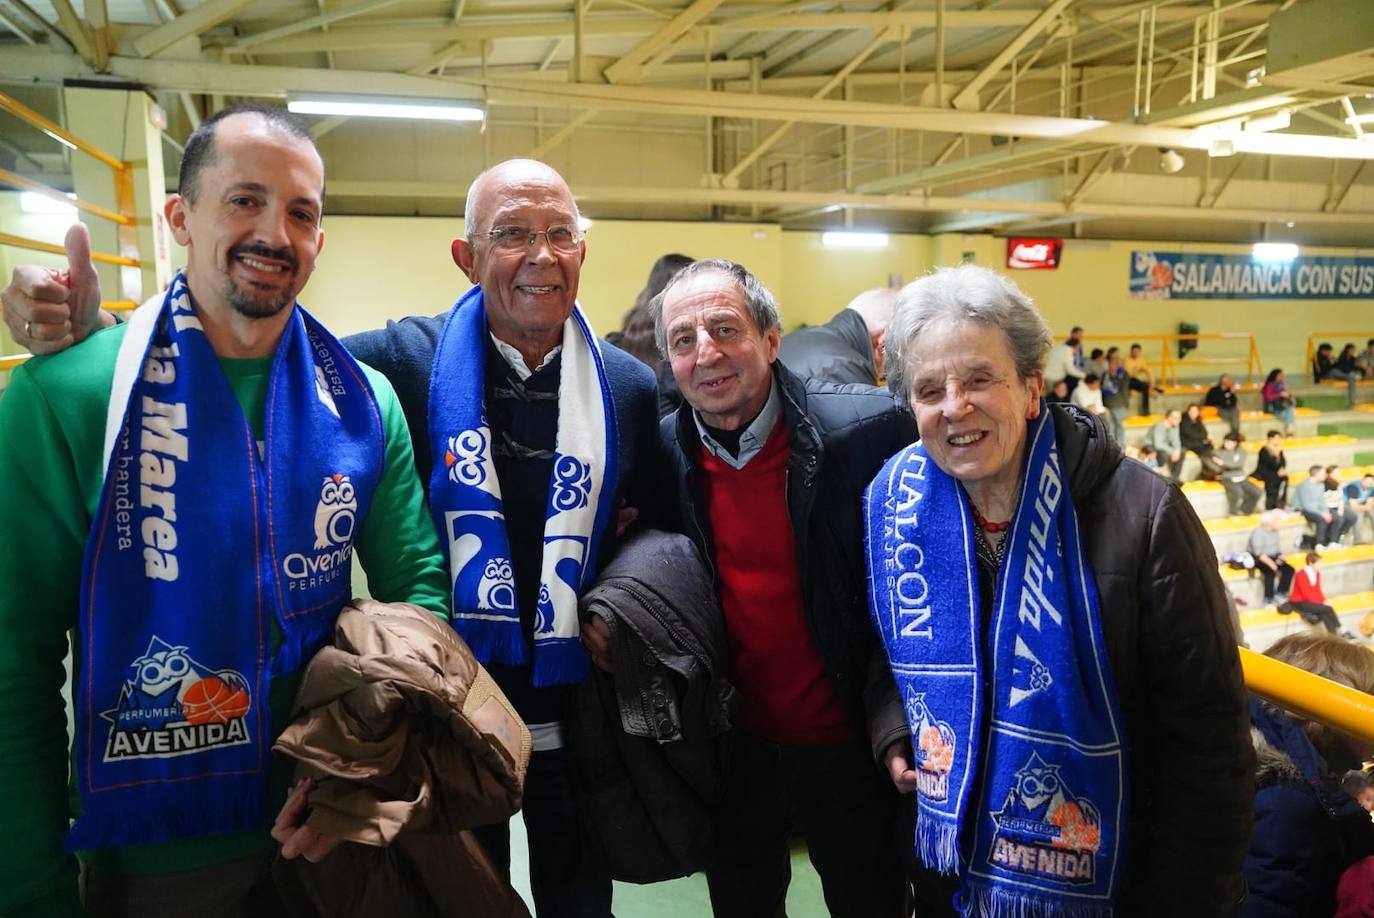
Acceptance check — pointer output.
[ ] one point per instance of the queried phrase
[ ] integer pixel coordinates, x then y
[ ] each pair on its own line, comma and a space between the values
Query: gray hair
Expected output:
763, 306
968, 293
470, 204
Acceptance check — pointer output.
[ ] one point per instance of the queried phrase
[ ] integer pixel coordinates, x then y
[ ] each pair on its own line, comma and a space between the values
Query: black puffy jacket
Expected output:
839, 350
840, 438
649, 744
1173, 658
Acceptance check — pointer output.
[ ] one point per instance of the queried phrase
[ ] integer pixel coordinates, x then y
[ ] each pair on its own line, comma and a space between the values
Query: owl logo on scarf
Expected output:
1044, 829
934, 744
335, 513
572, 484
496, 589
466, 458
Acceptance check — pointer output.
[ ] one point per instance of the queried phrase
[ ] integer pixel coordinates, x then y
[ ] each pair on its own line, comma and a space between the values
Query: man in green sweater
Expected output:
220, 543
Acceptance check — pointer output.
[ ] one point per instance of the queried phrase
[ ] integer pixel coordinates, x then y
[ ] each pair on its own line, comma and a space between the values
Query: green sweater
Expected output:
52, 427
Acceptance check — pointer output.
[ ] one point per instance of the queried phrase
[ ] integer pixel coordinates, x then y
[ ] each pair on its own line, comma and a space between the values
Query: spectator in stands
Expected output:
1149, 457
1242, 494
1359, 500
1336, 504
637, 330
1278, 401
1349, 361
1164, 437
1308, 599
1309, 498
1366, 359
1308, 830
1358, 785
1264, 547
848, 348
1327, 368
1192, 433
1059, 392
1116, 393
1222, 397
1097, 362
1142, 377
1272, 468
1065, 361
1088, 396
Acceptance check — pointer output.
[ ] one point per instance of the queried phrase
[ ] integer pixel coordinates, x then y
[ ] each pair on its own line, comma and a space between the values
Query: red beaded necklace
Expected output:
985, 524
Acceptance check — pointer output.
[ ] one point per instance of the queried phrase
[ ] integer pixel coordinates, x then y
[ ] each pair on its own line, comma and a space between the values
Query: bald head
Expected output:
875, 307
477, 210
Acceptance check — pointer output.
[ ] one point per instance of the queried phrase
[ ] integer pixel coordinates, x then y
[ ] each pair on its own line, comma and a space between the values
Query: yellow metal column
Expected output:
125, 123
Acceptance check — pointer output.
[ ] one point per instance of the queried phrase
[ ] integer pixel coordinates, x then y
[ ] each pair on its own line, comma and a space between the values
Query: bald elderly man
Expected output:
848, 348
531, 440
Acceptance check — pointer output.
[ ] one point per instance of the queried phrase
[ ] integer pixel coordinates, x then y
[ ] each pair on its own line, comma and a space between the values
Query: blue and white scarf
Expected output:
200, 542
465, 496
1021, 786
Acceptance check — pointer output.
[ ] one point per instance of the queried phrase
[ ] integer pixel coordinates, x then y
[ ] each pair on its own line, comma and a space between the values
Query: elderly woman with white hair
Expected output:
1072, 716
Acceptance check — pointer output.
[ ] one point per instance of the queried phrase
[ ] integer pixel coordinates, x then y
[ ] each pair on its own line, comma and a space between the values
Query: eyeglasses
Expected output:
562, 239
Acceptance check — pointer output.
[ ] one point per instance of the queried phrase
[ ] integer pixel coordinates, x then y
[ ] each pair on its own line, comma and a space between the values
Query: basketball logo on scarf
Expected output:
1043, 829
934, 748
174, 705
335, 517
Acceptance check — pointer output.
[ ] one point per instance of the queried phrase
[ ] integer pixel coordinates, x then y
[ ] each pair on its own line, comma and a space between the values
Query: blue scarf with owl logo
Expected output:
206, 546
1015, 727
465, 496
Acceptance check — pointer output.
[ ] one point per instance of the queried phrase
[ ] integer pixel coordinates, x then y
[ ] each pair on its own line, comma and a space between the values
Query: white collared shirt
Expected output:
755, 435
517, 362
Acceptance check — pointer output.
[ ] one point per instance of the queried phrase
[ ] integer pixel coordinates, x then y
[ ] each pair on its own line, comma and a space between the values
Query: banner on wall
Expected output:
1030, 254
1202, 276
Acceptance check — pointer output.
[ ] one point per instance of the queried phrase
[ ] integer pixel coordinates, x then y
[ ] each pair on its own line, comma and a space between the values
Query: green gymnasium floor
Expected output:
685, 898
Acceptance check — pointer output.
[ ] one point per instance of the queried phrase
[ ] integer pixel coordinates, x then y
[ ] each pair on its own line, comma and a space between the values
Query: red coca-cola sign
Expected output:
1028, 254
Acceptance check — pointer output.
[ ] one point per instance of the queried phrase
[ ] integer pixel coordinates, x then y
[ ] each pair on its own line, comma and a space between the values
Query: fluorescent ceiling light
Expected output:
1277, 121
849, 240
1361, 119
31, 202
384, 107
1274, 251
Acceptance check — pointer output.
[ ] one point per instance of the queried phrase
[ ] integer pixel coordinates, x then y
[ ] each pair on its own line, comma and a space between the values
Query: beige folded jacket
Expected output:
411, 743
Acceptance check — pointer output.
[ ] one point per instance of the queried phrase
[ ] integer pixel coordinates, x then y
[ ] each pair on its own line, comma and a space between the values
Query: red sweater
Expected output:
788, 698
1304, 591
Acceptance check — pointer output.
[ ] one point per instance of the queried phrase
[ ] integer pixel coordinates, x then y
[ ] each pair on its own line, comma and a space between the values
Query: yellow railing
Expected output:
1338, 340
1311, 696
1166, 366
123, 217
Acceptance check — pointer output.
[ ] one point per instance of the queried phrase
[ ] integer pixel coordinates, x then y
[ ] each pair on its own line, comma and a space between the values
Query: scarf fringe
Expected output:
937, 844
218, 807
493, 642
1000, 902
560, 661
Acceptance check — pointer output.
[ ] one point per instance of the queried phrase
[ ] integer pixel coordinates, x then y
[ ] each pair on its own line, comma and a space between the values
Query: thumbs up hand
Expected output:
47, 310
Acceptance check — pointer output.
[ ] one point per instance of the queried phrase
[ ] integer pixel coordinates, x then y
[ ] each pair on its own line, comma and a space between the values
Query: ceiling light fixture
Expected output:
1277, 121
1274, 251
849, 240
384, 107
1170, 160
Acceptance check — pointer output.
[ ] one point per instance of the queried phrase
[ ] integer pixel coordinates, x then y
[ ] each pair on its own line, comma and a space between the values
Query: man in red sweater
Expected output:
770, 470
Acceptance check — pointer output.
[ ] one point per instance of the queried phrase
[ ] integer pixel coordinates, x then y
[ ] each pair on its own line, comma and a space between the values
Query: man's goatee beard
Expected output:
254, 307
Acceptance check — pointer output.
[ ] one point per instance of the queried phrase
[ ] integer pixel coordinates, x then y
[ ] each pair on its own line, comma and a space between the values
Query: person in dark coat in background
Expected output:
636, 336
1222, 397
1271, 467
848, 348
1308, 830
